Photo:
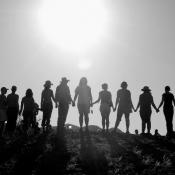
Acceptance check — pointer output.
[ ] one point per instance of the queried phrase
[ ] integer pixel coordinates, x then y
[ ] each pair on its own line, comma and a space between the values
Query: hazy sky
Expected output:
138, 46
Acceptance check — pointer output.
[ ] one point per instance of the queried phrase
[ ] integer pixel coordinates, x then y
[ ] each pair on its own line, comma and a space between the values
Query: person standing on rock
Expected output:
168, 103
125, 105
12, 111
63, 100
83, 92
3, 109
145, 103
46, 104
105, 107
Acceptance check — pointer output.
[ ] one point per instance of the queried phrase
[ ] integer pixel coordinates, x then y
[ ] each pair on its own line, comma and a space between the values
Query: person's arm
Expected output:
97, 101
138, 105
75, 97
22, 105
154, 106
111, 103
132, 106
42, 99
53, 98
161, 103
173, 100
56, 96
117, 101
90, 96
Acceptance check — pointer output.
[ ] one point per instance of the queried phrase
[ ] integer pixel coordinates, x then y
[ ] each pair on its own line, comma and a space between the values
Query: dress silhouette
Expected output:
27, 108
125, 105
46, 104
105, 98
145, 103
3, 109
83, 92
63, 100
12, 110
168, 103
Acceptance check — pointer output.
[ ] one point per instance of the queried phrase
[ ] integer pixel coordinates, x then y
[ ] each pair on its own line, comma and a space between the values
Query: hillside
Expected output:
87, 153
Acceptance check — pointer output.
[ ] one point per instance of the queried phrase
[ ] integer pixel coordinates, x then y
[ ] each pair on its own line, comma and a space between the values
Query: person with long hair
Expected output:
46, 104
125, 105
83, 92
27, 108
105, 98
168, 103
145, 103
3, 109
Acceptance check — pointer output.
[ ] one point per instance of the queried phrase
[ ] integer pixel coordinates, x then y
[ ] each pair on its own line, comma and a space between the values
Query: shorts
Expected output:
84, 109
105, 109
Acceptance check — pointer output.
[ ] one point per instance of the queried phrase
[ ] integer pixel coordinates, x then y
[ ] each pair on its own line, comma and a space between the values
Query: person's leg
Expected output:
143, 126
103, 121
119, 116
86, 120
107, 122
127, 122
80, 109
1, 128
149, 126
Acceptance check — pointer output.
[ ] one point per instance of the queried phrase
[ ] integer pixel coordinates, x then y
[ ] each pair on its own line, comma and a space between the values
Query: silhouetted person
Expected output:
105, 107
12, 111
125, 105
156, 133
27, 108
83, 92
63, 100
3, 109
145, 103
168, 103
46, 104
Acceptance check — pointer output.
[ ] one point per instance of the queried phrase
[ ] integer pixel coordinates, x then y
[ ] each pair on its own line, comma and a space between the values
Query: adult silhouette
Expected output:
63, 100
27, 108
168, 101
125, 105
46, 104
83, 92
145, 103
3, 109
12, 110
105, 98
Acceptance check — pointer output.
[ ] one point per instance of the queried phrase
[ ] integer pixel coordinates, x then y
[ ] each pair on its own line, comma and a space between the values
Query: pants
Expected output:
146, 119
12, 114
62, 115
169, 112
47, 112
105, 112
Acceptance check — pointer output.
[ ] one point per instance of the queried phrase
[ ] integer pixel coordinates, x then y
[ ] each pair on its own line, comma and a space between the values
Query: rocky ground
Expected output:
81, 153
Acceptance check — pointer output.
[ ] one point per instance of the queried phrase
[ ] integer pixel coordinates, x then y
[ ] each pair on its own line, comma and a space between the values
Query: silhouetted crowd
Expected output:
9, 107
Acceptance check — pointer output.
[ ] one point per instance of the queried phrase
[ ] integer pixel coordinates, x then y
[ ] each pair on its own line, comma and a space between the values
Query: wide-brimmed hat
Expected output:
64, 79
48, 83
4, 88
146, 88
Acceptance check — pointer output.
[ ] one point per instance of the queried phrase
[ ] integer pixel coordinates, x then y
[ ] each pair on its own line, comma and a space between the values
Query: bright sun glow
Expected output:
73, 25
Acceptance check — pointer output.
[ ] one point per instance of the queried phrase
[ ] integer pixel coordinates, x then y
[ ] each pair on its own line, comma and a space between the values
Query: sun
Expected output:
74, 25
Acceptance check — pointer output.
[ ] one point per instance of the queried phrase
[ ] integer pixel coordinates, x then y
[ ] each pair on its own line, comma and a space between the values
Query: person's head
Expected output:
29, 93
64, 80
136, 132
3, 90
124, 85
167, 89
156, 131
14, 89
146, 89
48, 84
83, 81
104, 86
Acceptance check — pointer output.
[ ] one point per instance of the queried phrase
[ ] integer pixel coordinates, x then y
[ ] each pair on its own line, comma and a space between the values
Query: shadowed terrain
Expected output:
87, 153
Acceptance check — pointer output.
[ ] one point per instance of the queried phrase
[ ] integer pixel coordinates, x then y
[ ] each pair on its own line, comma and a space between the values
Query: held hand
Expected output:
157, 110
114, 109
56, 105
73, 104
19, 113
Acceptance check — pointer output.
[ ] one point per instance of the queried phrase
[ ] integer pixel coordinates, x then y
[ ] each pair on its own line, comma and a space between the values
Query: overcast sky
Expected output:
138, 47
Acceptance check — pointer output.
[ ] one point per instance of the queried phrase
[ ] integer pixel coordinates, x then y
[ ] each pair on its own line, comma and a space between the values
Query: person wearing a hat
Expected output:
105, 107
12, 111
145, 103
125, 105
83, 93
3, 109
168, 103
63, 100
46, 104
